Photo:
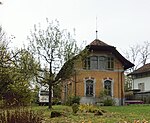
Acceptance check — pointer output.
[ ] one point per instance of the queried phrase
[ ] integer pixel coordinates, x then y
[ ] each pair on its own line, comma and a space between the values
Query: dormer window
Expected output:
94, 62
102, 62
99, 63
110, 63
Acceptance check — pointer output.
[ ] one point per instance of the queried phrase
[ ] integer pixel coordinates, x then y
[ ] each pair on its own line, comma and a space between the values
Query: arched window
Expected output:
89, 88
108, 87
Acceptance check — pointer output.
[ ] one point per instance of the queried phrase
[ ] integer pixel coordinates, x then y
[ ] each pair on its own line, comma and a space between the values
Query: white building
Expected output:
141, 78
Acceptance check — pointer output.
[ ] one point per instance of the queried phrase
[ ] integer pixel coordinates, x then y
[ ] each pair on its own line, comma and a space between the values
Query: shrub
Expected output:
103, 93
17, 95
109, 102
20, 116
75, 108
56, 101
73, 99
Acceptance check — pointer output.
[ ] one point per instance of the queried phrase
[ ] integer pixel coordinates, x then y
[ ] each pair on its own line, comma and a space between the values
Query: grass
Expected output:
115, 114
130, 113
20, 115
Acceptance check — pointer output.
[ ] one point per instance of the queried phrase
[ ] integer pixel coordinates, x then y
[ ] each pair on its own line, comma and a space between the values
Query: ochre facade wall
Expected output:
116, 75
99, 76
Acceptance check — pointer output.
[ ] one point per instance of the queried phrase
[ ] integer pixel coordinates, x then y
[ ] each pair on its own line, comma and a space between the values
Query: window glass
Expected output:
99, 62
110, 63
89, 88
94, 62
107, 87
102, 62
87, 63
141, 86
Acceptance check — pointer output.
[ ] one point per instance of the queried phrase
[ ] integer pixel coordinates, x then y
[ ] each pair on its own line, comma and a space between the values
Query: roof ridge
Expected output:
98, 42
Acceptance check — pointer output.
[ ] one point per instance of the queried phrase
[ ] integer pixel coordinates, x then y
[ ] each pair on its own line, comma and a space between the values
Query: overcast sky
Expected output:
120, 23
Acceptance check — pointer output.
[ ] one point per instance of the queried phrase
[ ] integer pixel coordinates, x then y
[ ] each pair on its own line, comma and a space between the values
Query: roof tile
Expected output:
98, 42
144, 68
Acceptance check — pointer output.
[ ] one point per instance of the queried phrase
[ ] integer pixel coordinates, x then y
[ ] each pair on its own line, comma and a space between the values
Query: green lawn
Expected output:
115, 114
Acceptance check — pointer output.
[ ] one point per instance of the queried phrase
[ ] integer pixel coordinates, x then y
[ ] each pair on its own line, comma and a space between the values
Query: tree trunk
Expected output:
50, 96
50, 83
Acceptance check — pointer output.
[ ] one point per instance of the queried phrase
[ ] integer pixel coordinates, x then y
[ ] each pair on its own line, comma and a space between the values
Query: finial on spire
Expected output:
96, 28
96, 34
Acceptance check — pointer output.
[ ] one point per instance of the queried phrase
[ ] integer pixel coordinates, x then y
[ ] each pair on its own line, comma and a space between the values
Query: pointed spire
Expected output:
96, 29
96, 34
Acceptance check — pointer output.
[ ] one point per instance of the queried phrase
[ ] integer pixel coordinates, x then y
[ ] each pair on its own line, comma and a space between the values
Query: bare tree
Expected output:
52, 47
145, 52
132, 55
138, 54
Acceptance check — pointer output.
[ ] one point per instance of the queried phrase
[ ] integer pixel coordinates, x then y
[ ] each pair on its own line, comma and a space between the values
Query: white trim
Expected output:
112, 84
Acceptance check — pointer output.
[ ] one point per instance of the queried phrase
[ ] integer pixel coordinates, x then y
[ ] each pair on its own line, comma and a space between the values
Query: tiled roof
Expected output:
143, 69
98, 45
98, 42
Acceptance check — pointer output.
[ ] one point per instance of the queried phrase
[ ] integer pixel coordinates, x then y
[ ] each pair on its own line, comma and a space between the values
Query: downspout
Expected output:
75, 86
118, 85
122, 87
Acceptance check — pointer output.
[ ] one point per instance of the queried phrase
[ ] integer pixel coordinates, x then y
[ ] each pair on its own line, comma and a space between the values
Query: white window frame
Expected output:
141, 86
94, 82
112, 85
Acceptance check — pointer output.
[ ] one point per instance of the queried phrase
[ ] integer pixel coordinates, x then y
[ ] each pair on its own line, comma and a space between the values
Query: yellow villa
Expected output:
102, 69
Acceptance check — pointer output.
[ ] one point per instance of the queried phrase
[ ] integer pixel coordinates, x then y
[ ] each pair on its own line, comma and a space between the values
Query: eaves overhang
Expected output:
126, 64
